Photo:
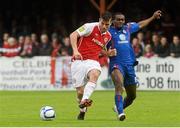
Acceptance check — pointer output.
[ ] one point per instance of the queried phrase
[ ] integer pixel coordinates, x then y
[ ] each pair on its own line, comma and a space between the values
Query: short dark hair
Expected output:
117, 13
106, 16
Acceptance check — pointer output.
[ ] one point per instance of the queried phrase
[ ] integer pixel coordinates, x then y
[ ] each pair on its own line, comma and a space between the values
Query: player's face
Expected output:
119, 20
104, 25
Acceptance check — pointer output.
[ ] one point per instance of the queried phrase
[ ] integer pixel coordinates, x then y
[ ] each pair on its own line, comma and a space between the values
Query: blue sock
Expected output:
119, 103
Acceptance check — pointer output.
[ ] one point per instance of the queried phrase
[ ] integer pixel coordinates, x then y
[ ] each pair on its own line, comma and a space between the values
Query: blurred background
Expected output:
51, 22
52, 16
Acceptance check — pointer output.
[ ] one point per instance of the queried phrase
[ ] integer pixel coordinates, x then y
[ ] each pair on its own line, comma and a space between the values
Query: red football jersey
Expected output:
92, 41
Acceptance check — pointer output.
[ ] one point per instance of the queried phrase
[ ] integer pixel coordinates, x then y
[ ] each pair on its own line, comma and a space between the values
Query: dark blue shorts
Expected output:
127, 71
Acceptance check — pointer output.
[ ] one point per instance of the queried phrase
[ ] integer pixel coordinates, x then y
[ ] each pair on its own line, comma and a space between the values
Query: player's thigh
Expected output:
93, 70
117, 77
130, 78
78, 73
130, 82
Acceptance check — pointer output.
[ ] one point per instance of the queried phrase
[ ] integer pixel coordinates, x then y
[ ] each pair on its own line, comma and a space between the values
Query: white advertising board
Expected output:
24, 73
158, 74
37, 74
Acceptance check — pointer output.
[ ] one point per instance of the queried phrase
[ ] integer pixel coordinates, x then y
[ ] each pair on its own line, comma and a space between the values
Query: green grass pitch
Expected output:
151, 108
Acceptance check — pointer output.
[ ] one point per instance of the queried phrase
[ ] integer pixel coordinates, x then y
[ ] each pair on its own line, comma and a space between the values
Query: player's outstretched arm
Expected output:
157, 15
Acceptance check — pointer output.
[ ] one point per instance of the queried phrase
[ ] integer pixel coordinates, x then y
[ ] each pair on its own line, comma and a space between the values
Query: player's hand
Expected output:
77, 56
112, 52
157, 14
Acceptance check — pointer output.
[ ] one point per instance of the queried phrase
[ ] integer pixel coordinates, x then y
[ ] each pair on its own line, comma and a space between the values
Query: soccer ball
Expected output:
47, 113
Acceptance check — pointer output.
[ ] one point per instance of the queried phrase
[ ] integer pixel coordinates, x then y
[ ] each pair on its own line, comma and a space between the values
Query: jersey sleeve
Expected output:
84, 30
133, 27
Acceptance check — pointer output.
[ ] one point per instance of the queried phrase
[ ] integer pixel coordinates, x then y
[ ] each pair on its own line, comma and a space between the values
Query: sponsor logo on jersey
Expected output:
98, 42
123, 42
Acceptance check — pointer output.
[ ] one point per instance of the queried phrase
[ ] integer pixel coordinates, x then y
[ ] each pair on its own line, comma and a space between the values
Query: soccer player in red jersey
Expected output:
87, 43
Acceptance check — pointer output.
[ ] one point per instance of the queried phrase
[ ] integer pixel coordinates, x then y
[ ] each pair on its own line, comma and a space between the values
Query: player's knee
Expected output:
93, 76
119, 89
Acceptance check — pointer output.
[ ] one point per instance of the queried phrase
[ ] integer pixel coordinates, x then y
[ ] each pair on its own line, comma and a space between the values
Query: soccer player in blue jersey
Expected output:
122, 65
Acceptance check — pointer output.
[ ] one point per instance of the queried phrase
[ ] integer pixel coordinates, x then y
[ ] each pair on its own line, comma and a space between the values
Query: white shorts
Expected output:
80, 69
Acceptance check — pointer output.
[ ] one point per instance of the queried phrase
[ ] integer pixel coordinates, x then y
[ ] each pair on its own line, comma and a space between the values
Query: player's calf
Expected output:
128, 101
